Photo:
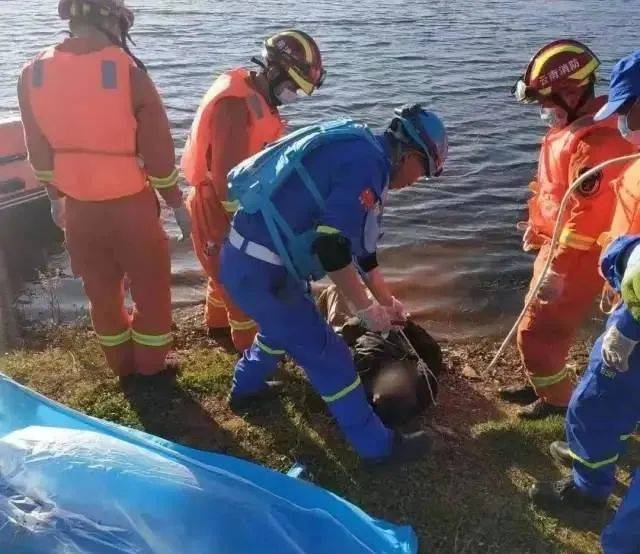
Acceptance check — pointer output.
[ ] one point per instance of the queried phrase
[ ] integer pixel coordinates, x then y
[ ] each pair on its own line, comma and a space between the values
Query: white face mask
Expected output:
286, 94
629, 135
551, 118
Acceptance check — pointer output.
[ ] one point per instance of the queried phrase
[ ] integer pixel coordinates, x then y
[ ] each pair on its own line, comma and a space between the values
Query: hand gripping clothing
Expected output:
548, 329
207, 202
351, 177
604, 411
86, 124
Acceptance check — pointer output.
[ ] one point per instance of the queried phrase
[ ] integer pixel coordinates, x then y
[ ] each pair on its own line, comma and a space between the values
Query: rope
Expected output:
554, 242
422, 366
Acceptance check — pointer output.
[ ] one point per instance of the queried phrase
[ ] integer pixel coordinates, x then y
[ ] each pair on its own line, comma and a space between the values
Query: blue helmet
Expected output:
425, 132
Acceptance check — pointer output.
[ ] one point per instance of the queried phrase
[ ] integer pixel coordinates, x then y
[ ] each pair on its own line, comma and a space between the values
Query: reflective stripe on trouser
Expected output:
622, 535
211, 223
221, 312
289, 320
548, 329
106, 240
603, 412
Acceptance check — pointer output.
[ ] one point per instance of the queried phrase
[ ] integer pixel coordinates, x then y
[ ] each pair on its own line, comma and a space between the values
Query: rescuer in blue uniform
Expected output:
605, 408
312, 205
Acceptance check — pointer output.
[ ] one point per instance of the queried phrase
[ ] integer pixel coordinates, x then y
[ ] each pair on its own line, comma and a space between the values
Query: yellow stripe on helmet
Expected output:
544, 57
308, 49
587, 70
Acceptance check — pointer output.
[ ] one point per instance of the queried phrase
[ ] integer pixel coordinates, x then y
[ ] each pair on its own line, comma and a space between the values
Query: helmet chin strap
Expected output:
572, 113
121, 41
274, 82
397, 148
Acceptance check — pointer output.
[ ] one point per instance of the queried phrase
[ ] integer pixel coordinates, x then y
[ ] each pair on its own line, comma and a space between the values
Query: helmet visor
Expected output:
524, 93
306, 80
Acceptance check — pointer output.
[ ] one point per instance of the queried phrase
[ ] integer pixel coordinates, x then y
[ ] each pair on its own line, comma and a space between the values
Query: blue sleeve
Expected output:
614, 259
354, 205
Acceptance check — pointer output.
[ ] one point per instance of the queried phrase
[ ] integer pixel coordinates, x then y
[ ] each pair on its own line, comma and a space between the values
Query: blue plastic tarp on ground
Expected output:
72, 483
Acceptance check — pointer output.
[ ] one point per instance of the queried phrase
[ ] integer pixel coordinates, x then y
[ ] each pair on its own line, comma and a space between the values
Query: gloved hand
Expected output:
396, 311
59, 212
552, 287
183, 219
616, 349
630, 287
530, 240
375, 318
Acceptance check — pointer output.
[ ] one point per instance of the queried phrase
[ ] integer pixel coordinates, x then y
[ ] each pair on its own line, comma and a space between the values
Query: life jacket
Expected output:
254, 182
83, 106
552, 183
265, 125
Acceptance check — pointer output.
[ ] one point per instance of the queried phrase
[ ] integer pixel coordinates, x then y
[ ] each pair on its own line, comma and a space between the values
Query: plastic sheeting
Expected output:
71, 483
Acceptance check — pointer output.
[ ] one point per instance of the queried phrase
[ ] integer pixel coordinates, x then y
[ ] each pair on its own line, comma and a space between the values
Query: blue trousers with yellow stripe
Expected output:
603, 413
290, 323
622, 535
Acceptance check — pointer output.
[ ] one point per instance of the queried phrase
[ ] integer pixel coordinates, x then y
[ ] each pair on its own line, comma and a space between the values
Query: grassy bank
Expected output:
468, 496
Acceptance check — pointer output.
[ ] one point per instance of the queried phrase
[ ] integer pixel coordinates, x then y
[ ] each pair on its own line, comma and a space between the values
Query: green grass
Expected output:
468, 496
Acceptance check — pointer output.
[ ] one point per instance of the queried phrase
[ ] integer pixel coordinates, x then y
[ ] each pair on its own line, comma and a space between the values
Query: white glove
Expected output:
183, 219
552, 287
59, 212
375, 318
616, 349
397, 313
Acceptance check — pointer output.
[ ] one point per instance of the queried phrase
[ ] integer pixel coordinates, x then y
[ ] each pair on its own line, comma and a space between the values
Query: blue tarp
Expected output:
72, 483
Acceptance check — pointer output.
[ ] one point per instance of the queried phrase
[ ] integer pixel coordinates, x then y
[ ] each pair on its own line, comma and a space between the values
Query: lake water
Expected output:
450, 248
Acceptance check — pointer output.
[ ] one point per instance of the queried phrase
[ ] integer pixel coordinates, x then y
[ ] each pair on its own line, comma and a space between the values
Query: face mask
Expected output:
631, 136
551, 118
285, 94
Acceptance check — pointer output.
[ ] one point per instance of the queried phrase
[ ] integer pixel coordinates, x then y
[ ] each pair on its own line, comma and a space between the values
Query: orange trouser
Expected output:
548, 329
210, 228
107, 240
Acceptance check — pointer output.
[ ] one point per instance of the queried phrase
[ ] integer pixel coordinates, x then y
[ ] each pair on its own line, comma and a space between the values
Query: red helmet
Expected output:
299, 56
101, 8
559, 65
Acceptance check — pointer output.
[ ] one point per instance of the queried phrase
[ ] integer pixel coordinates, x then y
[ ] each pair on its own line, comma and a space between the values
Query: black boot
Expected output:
540, 410
561, 453
563, 494
271, 389
407, 447
518, 394
222, 336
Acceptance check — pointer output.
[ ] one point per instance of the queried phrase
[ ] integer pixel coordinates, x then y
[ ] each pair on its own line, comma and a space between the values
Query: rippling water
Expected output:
450, 247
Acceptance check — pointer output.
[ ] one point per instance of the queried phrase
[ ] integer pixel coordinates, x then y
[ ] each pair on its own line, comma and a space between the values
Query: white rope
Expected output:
422, 366
554, 243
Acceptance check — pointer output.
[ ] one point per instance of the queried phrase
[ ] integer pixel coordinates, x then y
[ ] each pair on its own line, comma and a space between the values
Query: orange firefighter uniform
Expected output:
549, 326
98, 134
233, 122
626, 216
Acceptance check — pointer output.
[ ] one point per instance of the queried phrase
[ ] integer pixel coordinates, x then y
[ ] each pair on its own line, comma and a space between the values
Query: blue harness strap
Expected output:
255, 181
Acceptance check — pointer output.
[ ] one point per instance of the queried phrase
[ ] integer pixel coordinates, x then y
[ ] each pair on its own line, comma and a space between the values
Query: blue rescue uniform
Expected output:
603, 413
352, 178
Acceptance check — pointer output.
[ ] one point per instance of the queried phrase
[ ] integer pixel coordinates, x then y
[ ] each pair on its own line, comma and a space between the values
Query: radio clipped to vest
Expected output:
254, 182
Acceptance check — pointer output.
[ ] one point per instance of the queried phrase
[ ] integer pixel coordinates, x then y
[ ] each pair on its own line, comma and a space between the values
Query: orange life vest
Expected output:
83, 106
265, 125
552, 183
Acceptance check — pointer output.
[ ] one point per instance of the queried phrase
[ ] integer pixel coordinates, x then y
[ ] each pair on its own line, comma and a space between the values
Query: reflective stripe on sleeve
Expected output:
341, 394
164, 182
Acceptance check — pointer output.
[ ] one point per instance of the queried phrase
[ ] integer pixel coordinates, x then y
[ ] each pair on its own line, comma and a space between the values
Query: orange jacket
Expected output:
566, 154
264, 125
234, 115
626, 216
95, 138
